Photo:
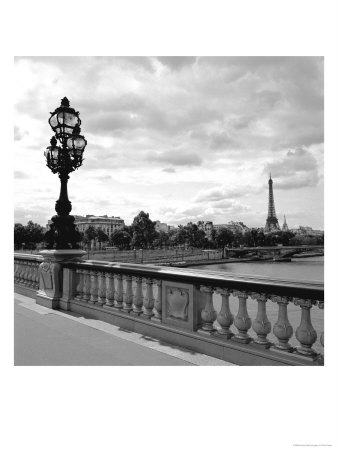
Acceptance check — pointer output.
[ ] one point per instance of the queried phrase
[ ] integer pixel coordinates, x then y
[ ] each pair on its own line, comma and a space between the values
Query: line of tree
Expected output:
142, 234
27, 236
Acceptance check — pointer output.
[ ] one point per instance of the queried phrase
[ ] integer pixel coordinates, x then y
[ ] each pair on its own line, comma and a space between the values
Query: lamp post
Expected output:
64, 159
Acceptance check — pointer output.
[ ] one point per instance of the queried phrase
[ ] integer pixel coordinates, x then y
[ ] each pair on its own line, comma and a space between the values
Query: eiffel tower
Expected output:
271, 221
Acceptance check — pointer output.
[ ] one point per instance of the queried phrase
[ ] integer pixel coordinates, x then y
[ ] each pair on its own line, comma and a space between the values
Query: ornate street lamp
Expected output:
63, 159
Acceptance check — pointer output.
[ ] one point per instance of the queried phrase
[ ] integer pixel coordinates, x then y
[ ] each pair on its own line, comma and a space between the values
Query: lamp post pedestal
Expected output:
54, 285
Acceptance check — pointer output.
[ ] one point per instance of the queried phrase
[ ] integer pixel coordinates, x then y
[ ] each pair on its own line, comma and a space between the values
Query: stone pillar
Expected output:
80, 284
305, 333
261, 324
119, 292
86, 285
110, 290
128, 298
158, 301
68, 288
101, 290
149, 300
208, 313
138, 297
242, 321
282, 328
51, 279
93, 287
224, 317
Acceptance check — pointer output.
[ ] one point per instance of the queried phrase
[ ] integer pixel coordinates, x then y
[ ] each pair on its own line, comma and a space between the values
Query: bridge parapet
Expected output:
237, 318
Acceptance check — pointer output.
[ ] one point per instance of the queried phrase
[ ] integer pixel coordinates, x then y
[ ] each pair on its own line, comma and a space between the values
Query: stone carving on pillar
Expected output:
208, 313
177, 303
128, 298
242, 321
261, 324
282, 328
50, 276
224, 317
305, 333
50, 279
148, 302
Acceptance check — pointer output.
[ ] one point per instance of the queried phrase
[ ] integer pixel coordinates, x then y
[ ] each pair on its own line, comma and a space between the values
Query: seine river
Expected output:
307, 269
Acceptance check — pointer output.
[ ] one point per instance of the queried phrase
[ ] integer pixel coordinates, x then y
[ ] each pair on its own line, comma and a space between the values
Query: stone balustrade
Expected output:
26, 271
202, 311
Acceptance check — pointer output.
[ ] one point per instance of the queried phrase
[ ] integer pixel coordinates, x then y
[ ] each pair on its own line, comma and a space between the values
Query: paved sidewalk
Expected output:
45, 337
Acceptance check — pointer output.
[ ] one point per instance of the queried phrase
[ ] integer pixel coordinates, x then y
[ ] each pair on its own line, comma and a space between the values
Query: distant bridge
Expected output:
275, 252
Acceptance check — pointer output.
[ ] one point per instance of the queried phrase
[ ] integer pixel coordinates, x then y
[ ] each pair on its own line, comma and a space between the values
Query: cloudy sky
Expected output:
183, 138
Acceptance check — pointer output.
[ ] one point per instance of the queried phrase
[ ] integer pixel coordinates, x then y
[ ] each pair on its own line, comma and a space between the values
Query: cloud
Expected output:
177, 158
224, 193
177, 62
19, 134
21, 175
297, 169
211, 122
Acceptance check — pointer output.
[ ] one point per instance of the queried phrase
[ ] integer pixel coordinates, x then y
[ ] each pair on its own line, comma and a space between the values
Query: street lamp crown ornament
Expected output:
64, 159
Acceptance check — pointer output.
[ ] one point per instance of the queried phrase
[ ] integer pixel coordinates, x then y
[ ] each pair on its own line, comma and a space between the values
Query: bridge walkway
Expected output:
45, 337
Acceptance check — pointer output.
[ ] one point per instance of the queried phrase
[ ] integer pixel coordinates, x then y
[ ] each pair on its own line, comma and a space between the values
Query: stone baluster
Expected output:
119, 292
80, 284
16, 266
282, 328
36, 276
208, 313
224, 317
261, 324
20, 272
29, 274
138, 297
242, 320
158, 301
149, 300
24, 273
305, 333
93, 287
128, 298
110, 289
32, 278
101, 291
86, 285
321, 339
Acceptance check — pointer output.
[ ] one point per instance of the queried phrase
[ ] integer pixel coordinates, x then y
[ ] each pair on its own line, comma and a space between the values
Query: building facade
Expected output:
107, 224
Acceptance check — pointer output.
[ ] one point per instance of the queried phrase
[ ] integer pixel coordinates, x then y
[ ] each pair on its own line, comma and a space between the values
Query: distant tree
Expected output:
161, 240
223, 238
121, 239
90, 235
101, 237
34, 234
195, 237
144, 232
20, 235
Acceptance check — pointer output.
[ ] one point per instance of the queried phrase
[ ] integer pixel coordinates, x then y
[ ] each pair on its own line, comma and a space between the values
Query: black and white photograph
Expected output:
194, 223
171, 197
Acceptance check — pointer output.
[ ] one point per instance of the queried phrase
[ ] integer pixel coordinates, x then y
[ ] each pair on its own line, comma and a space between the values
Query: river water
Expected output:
300, 269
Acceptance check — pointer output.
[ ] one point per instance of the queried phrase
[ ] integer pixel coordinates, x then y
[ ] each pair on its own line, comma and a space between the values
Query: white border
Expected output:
171, 408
